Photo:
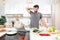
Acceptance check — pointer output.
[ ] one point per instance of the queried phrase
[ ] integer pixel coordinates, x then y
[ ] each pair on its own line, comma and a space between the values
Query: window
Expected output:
19, 6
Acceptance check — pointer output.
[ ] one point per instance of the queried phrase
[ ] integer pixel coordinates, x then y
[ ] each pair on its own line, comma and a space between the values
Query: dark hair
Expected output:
36, 6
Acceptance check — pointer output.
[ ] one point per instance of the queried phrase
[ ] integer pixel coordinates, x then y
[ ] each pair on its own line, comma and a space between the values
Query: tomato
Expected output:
44, 34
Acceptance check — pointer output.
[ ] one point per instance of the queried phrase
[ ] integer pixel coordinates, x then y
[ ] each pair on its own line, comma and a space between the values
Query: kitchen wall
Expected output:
1, 7
56, 10
19, 6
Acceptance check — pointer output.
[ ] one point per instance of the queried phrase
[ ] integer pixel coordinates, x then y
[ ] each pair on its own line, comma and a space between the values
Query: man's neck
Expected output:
36, 12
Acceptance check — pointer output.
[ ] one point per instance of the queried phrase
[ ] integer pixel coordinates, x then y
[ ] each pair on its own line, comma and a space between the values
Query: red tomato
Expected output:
44, 34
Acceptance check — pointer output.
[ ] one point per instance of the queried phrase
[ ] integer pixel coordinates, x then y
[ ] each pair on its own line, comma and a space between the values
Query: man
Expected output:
35, 17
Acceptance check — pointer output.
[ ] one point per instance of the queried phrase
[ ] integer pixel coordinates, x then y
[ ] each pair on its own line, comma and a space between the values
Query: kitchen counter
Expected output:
36, 36
2, 35
33, 36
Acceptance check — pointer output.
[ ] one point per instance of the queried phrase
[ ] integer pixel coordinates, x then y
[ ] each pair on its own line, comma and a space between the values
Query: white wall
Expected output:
19, 6
57, 13
1, 7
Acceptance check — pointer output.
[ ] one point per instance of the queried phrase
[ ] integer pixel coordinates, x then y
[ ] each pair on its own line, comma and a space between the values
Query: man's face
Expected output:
35, 9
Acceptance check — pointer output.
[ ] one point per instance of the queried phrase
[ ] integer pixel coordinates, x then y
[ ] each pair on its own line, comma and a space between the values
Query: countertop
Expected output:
2, 34
5, 32
36, 36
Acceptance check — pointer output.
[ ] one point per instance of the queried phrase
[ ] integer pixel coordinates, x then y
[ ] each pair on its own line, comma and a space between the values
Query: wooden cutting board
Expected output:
56, 32
2, 30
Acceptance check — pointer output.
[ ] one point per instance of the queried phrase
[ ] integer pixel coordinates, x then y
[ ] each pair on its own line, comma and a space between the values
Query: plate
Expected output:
11, 32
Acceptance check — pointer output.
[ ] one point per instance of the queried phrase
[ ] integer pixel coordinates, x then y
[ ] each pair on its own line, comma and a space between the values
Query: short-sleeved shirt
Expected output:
35, 17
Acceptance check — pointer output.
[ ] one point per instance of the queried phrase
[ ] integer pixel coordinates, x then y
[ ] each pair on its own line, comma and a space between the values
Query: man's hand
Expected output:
29, 9
43, 23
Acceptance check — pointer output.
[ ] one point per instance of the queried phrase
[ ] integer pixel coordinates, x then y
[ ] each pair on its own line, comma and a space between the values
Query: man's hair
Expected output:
36, 6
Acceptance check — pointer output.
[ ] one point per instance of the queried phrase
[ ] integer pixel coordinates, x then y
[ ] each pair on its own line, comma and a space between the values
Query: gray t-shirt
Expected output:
35, 17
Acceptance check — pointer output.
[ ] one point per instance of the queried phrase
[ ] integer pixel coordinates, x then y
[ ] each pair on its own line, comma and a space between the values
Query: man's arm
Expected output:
43, 23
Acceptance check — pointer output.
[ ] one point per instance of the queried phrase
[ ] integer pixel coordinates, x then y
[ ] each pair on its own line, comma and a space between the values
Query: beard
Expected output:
35, 11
